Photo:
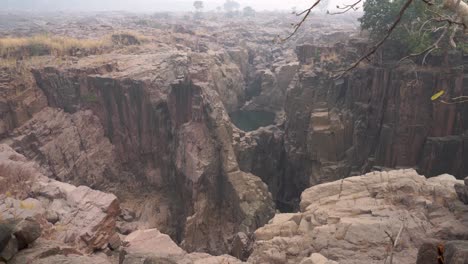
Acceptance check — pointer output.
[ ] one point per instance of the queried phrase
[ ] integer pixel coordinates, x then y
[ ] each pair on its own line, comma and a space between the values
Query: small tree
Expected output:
198, 5
450, 15
231, 6
248, 11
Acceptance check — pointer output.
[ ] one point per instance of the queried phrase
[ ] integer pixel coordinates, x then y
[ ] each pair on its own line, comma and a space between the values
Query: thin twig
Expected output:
428, 2
346, 8
394, 242
452, 37
428, 50
298, 25
374, 49
452, 103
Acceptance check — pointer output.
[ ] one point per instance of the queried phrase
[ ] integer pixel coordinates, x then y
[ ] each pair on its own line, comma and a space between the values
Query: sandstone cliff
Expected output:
355, 220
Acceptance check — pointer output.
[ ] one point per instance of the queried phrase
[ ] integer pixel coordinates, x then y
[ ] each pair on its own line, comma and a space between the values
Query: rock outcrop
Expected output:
372, 118
261, 152
85, 218
167, 123
356, 220
456, 252
20, 98
52, 252
151, 246
462, 190
70, 147
269, 86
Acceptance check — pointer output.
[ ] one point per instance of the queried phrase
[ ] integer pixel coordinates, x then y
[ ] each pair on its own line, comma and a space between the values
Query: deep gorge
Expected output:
215, 134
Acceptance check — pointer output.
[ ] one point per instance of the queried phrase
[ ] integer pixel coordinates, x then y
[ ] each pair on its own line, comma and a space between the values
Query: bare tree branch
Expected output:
428, 2
451, 103
376, 46
298, 25
428, 50
346, 8
394, 242
451, 4
456, 100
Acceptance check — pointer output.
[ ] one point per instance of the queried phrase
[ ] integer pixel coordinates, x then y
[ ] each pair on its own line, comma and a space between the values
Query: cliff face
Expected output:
20, 98
166, 132
372, 119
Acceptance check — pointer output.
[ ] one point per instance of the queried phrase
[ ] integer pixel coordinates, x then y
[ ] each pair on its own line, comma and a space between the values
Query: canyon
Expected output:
209, 142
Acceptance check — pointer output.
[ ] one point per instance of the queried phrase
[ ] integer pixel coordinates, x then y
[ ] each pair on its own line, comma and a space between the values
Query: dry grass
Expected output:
61, 46
16, 179
127, 38
46, 45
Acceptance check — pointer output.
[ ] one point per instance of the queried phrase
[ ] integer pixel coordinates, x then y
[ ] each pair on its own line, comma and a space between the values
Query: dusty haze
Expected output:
144, 5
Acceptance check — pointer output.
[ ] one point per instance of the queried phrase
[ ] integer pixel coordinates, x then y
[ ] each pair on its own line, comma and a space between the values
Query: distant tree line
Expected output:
231, 8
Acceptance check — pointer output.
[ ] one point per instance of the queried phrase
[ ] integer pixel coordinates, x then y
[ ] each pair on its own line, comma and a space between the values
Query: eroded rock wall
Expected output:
20, 98
373, 118
170, 129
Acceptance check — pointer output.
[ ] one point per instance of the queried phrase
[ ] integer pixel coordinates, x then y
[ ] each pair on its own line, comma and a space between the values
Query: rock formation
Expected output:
19, 98
168, 127
152, 246
371, 119
84, 223
83, 218
356, 220
462, 191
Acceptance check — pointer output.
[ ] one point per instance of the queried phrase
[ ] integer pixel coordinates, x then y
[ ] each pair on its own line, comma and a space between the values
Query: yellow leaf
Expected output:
27, 206
437, 95
8, 194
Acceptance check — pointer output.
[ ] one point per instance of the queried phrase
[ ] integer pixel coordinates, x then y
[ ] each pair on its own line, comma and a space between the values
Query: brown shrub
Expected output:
16, 179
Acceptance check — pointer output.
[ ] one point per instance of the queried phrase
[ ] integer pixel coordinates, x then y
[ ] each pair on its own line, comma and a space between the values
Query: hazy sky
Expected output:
142, 5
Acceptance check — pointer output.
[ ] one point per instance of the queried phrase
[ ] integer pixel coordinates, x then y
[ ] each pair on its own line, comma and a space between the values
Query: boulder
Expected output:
241, 246
429, 253
6, 230
149, 244
456, 252
53, 252
126, 228
10, 249
152, 246
27, 231
127, 215
114, 242
52, 216
92, 221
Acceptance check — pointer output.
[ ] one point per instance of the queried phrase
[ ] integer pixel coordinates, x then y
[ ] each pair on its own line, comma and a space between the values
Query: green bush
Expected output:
414, 33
